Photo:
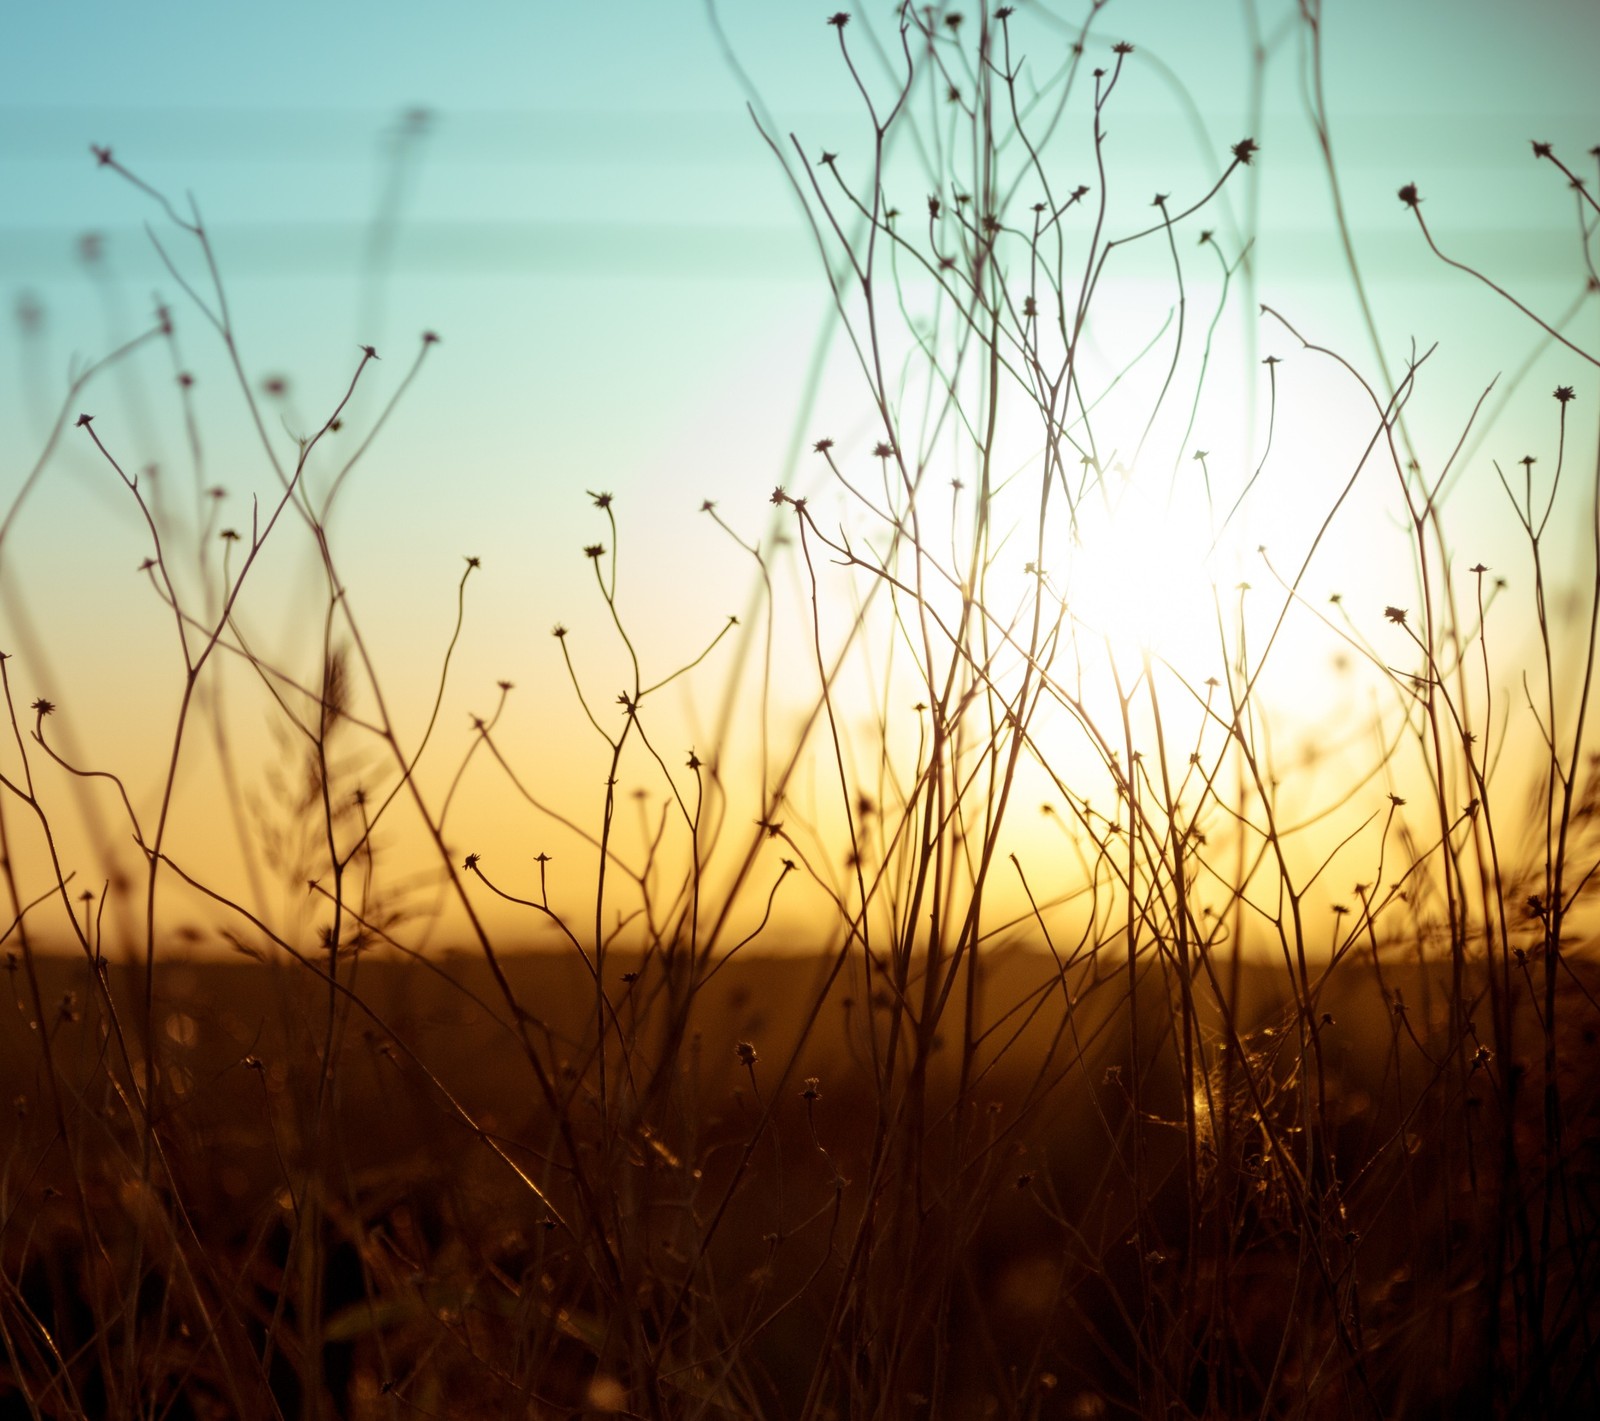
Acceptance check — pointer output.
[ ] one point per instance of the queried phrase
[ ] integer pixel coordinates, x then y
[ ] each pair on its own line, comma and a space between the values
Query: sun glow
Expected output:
1144, 570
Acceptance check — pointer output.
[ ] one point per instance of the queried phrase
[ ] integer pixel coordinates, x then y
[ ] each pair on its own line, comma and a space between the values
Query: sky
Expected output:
578, 201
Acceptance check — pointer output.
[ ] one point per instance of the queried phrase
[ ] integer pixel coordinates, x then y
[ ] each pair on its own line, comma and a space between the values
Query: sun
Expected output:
1143, 569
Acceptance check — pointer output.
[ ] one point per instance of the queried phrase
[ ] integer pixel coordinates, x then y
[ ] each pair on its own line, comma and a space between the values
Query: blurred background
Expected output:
579, 201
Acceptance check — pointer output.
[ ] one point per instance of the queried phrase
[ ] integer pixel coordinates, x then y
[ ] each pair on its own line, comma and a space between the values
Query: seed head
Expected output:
1408, 195
746, 1054
595, 551
839, 19
1564, 393
1246, 149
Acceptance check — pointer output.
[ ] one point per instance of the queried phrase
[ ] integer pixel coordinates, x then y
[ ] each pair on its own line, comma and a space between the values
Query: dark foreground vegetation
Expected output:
779, 1221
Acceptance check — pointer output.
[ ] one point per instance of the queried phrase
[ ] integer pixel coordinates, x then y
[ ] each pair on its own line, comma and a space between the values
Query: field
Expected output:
402, 1233
1070, 894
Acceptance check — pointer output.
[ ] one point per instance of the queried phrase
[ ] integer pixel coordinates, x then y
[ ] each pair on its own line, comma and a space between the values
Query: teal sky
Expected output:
588, 174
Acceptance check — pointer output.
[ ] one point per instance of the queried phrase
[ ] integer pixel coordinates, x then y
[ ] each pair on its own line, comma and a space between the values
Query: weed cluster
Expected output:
1115, 1109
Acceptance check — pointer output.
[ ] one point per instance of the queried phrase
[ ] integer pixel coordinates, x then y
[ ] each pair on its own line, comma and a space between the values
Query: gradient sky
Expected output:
627, 296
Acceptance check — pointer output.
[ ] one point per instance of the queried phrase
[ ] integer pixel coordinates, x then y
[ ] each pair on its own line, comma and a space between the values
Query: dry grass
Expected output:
1145, 1121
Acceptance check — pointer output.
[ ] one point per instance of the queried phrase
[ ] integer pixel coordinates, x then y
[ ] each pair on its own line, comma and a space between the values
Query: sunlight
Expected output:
1143, 577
